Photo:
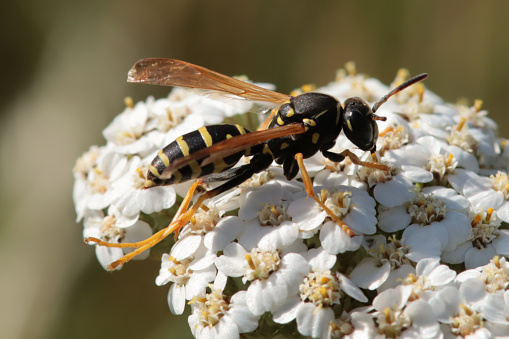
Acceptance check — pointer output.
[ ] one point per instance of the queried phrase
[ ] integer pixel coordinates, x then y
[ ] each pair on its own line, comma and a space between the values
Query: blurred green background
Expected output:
64, 66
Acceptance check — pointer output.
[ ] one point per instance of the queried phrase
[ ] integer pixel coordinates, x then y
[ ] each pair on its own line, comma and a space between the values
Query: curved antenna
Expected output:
398, 89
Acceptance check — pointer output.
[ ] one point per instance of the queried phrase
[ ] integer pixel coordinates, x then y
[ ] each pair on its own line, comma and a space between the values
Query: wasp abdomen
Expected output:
189, 143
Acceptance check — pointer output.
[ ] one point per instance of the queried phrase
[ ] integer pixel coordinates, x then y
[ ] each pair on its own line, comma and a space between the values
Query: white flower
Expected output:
274, 276
190, 277
106, 229
386, 267
319, 291
130, 197
214, 315
396, 315
353, 206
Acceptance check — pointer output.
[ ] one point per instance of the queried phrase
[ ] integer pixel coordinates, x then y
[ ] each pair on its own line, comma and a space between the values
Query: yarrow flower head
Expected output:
407, 241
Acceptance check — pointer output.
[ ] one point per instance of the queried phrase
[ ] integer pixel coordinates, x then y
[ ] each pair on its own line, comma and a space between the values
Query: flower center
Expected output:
392, 322
273, 215
260, 264
495, 276
180, 271
100, 182
501, 183
211, 308
321, 288
393, 252
338, 202
392, 138
426, 209
109, 231
466, 322
440, 166
462, 138
485, 229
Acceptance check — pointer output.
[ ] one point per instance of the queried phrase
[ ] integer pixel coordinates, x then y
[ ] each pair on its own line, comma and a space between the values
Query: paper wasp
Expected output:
298, 128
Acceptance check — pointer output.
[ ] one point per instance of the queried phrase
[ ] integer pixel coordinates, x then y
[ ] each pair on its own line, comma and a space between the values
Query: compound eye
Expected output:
360, 129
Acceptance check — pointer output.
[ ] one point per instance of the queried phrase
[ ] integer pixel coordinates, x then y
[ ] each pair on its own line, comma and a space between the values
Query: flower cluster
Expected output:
426, 258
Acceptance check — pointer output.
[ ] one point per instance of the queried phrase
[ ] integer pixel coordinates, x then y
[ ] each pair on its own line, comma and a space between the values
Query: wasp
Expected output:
299, 127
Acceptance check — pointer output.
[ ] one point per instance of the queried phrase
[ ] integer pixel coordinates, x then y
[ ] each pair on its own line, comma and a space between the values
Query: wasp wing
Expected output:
171, 72
231, 146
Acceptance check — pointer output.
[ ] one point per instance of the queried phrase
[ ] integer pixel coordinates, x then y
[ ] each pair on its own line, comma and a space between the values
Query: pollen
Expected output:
393, 252
501, 183
393, 137
109, 231
273, 215
426, 209
211, 308
462, 138
337, 202
321, 288
180, 270
260, 264
441, 166
466, 322
485, 229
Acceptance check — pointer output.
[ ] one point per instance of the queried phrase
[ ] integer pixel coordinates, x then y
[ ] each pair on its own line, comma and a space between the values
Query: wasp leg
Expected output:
185, 214
355, 159
310, 191
267, 121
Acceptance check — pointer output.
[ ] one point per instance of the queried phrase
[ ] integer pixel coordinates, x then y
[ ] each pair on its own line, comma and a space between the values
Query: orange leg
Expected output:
355, 159
267, 121
310, 191
181, 218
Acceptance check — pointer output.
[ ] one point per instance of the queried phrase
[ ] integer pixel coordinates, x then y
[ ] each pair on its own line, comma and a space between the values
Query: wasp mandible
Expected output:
298, 128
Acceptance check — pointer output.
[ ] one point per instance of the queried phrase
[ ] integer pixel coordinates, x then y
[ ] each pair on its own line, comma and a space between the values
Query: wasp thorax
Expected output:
359, 125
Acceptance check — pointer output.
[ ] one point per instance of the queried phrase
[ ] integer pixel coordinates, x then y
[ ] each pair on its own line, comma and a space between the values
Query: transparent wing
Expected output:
231, 146
171, 72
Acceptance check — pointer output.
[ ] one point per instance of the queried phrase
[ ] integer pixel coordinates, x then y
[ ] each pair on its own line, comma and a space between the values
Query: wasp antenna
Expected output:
377, 117
398, 89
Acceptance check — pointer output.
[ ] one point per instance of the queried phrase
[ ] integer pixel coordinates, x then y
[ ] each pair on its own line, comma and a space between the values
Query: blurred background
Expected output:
64, 66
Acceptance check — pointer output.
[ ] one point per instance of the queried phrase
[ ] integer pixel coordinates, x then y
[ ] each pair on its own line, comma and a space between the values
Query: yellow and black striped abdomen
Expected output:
189, 143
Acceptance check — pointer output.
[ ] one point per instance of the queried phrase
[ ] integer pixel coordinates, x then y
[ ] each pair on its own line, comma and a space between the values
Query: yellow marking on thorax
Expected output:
320, 114
164, 158
266, 149
280, 121
207, 138
290, 113
309, 122
228, 136
284, 145
315, 137
183, 146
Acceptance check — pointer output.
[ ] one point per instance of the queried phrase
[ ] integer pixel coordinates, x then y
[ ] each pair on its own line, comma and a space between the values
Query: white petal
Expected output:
226, 230
312, 321
287, 312
231, 262
367, 274
394, 219
334, 240
394, 192
350, 288
177, 299
475, 257
473, 290
186, 247
319, 259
